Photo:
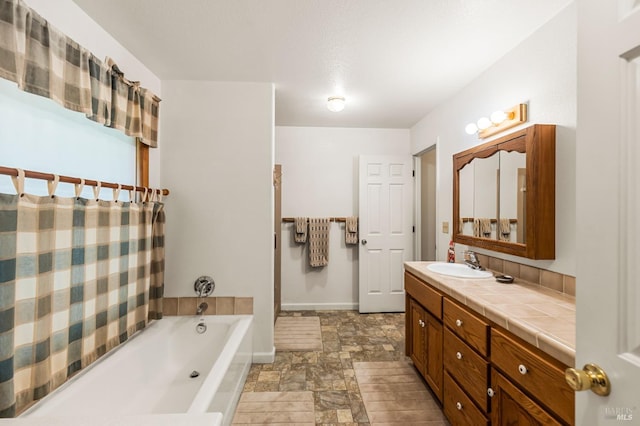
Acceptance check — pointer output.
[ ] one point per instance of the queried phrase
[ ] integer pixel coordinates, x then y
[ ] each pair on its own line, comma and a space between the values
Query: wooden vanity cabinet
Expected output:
424, 336
465, 358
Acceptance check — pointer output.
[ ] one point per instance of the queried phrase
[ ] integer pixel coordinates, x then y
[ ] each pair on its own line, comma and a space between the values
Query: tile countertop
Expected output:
543, 317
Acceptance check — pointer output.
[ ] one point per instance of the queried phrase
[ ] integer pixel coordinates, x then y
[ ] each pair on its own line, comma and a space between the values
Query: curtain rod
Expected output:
67, 179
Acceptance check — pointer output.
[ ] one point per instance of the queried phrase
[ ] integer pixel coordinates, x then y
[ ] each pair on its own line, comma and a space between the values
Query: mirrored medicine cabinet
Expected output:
504, 194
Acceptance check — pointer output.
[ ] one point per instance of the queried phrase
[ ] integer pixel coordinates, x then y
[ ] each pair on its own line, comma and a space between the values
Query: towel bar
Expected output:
331, 219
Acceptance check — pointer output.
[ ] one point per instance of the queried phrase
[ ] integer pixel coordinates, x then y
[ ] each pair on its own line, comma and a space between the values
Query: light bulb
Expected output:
335, 103
471, 128
498, 117
484, 123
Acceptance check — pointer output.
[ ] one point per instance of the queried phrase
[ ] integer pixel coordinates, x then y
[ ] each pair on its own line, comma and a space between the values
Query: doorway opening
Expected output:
426, 201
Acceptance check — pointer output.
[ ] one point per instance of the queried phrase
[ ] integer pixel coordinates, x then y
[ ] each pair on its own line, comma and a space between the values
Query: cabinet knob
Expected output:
458, 405
458, 355
458, 323
490, 392
522, 369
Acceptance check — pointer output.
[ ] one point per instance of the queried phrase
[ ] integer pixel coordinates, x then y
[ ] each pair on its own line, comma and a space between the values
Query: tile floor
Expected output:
347, 337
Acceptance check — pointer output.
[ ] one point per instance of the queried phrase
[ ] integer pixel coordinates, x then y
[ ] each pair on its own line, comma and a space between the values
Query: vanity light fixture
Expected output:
499, 121
335, 103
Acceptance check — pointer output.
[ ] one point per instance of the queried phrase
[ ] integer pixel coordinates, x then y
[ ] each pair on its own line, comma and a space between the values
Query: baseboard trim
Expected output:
320, 306
264, 357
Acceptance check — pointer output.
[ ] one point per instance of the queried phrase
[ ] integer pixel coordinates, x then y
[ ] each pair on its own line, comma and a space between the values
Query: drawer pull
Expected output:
490, 392
458, 323
458, 405
522, 369
458, 355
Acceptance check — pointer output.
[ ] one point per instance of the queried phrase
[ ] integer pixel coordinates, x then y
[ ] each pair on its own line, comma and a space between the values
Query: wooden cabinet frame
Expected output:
540, 399
538, 142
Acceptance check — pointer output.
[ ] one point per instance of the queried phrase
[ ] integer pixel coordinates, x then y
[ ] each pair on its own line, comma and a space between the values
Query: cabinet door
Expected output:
417, 335
434, 346
510, 406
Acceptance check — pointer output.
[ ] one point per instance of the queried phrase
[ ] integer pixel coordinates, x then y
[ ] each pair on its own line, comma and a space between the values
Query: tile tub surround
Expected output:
539, 315
217, 305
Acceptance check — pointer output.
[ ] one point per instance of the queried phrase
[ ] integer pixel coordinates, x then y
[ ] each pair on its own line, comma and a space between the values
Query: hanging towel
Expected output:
300, 234
504, 230
318, 242
351, 230
485, 227
476, 228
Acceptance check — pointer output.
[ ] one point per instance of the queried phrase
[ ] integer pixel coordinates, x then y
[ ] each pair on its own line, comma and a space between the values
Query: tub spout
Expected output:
202, 308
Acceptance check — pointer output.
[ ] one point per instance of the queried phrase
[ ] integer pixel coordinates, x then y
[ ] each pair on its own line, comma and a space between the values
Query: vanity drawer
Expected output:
473, 330
458, 408
539, 377
469, 369
425, 295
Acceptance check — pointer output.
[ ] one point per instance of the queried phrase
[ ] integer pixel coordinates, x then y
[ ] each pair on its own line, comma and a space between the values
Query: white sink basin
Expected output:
457, 270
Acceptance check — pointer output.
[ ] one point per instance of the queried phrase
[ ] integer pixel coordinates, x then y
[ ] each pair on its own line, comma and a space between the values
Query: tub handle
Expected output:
204, 286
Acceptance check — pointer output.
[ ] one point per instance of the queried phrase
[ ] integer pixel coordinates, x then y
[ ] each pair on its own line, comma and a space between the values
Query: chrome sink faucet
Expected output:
471, 260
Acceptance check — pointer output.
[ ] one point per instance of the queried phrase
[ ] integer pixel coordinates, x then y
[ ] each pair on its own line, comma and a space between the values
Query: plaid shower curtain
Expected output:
77, 278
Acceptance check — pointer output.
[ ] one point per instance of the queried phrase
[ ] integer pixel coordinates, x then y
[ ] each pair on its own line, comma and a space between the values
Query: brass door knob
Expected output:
590, 377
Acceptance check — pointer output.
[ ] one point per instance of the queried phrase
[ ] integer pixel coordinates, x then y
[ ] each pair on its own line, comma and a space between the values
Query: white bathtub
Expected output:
150, 374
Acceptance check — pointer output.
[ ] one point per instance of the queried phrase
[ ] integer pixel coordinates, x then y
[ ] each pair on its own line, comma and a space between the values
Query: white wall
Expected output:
320, 179
542, 71
69, 18
217, 160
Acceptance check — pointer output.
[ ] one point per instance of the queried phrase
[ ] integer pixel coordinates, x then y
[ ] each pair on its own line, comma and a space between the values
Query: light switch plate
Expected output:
445, 227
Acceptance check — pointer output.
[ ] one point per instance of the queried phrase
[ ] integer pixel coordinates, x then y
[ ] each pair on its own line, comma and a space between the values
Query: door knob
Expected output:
364, 242
590, 377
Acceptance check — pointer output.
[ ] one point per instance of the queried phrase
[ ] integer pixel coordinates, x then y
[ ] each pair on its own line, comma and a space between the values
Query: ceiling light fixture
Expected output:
335, 103
499, 121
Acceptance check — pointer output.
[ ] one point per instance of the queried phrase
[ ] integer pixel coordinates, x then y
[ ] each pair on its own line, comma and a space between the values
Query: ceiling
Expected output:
393, 60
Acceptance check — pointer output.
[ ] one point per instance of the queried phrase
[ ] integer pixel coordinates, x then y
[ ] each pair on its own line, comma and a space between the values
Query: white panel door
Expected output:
608, 207
386, 231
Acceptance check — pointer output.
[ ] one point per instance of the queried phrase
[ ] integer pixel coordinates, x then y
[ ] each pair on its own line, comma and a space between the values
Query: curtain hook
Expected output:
79, 188
96, 190
18, 182
144, 195
160, 195
52, 185
116, 193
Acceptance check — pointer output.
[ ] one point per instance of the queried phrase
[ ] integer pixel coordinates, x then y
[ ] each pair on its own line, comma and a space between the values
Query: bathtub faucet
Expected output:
202, 308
